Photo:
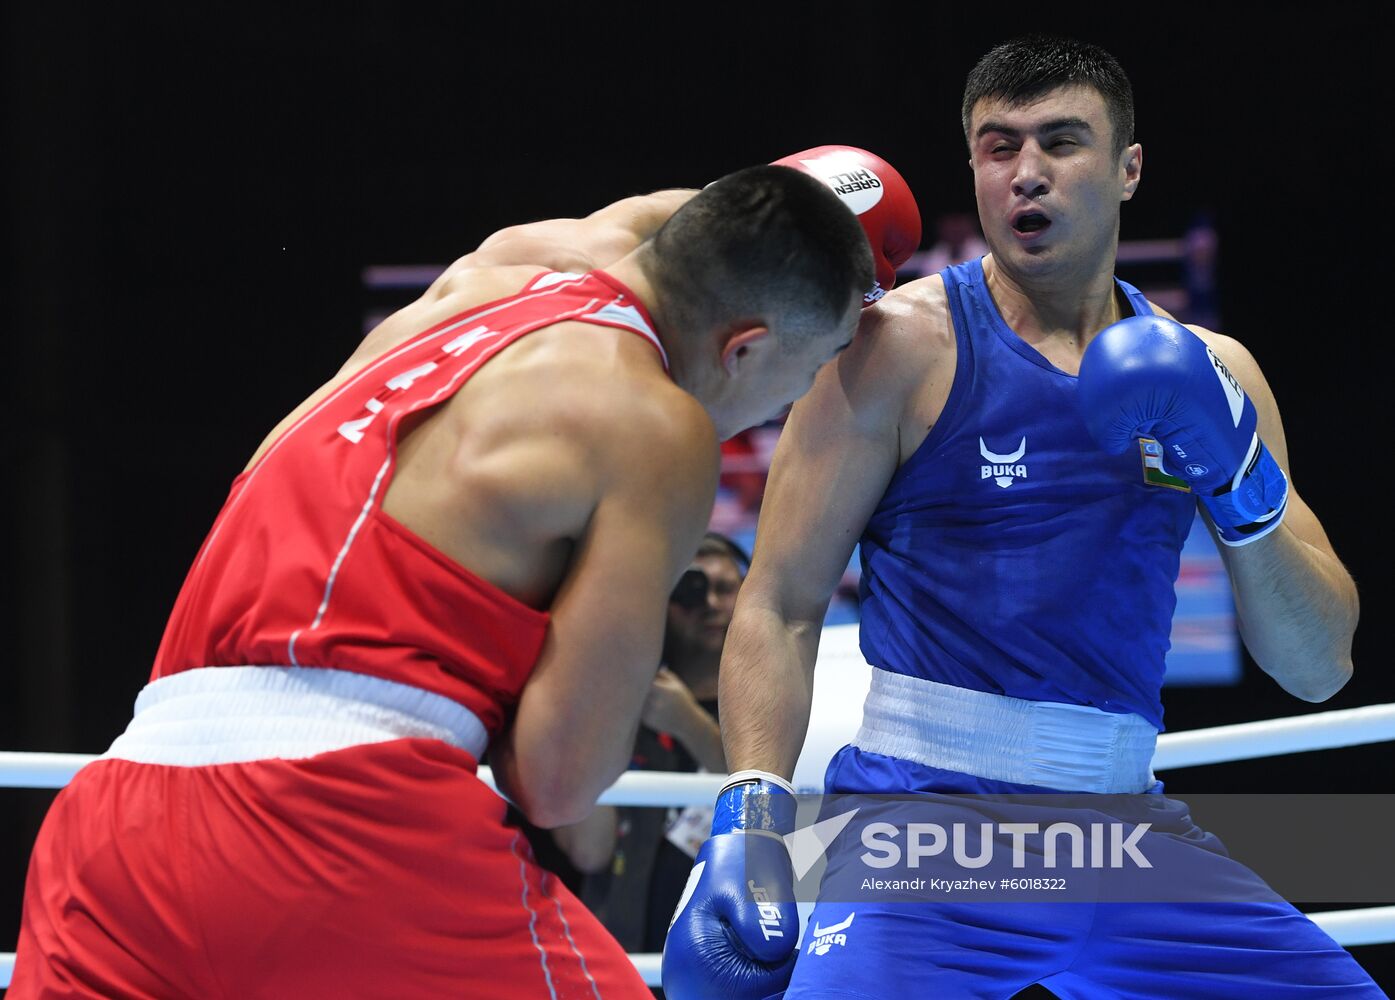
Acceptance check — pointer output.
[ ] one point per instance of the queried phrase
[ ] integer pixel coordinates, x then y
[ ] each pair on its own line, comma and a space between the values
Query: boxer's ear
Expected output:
740, 342
1132, 158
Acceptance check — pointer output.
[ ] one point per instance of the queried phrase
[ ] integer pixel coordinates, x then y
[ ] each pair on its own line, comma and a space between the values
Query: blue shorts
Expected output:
1258, 947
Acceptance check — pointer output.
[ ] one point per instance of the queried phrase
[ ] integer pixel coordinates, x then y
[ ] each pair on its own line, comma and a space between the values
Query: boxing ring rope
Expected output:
1245, 741
1346, 727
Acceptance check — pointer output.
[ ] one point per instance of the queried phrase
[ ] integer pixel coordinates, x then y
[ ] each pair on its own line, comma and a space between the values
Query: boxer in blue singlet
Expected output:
1021, 503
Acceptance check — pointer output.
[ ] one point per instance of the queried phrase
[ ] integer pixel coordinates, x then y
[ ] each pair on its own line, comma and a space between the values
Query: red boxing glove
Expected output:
878, 196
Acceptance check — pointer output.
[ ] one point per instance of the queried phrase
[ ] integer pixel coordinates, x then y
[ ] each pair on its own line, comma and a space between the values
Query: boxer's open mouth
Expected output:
1031, 223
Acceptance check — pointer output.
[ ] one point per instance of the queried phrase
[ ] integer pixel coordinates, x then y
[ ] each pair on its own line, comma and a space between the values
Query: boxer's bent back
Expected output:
167, 843
464, 540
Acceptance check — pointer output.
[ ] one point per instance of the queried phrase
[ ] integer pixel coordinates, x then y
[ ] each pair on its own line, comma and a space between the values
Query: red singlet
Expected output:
380, 869
303, 567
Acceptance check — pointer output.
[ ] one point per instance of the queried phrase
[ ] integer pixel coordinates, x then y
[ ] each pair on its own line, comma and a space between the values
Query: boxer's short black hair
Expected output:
1025, 68
764, 238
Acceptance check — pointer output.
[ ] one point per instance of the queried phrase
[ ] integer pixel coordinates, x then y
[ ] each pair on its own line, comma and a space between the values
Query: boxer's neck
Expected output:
1071, 309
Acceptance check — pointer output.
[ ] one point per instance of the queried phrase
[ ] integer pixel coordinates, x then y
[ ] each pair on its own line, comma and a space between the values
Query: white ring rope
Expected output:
1347, 727
1296, 734
1349, 928
40, 770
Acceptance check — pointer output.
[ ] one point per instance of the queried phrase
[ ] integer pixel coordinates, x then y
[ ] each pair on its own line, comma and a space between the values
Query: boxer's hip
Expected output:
381, 868
228, 715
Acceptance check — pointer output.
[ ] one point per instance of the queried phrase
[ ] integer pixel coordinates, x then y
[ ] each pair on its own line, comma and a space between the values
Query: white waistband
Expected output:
1073, 748
226, 715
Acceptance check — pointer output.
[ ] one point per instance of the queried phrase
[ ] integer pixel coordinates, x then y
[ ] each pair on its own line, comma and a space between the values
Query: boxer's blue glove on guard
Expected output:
1150, 376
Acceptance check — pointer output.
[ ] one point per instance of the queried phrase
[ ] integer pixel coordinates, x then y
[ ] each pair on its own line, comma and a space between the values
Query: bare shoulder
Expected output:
607, 391
467, 283
901, 340
652, 427
597, 240
910, 320
652, 445
1241, 364
457, 290
894, 380
450, 295
1235, 354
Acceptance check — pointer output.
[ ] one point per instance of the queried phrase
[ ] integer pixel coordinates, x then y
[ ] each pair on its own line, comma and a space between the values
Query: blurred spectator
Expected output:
629, 865
957, 240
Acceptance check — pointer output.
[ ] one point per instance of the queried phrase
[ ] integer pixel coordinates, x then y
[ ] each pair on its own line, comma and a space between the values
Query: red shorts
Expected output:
382, 870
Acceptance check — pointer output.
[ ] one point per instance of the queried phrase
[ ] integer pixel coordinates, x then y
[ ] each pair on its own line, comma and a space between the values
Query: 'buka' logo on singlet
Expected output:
1002, 469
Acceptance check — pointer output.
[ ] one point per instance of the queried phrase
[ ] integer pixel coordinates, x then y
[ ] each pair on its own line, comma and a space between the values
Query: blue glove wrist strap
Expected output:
1255, 503
754, 805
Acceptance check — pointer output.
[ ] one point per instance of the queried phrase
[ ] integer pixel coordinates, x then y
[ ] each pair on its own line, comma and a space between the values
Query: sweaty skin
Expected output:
870, 411
576, 475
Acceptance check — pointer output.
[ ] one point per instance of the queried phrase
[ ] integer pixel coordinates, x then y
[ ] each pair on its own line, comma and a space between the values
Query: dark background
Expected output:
190, 194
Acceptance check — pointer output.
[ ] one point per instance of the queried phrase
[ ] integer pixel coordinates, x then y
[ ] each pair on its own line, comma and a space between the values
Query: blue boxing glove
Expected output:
1150, 376
735, 931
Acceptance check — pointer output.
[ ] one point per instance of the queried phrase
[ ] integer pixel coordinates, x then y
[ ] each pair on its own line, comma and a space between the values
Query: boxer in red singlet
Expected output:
463, 541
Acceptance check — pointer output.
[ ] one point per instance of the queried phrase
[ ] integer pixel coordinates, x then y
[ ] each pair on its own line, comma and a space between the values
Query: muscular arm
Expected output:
501, 266
1297, 604
575, 726
590, 844
600, 239
835, 458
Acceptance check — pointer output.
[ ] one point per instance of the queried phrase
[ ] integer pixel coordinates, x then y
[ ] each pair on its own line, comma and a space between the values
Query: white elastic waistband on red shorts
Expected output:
228, 715
1071, 748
